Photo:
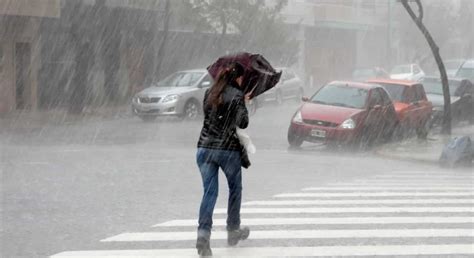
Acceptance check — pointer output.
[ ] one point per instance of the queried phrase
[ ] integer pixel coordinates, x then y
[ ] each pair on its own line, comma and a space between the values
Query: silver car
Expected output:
289, 87
180, 94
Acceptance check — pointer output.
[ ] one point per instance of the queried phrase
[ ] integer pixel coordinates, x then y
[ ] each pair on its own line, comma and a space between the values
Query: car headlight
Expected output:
298, 118
348, 124
135, 99
170, 98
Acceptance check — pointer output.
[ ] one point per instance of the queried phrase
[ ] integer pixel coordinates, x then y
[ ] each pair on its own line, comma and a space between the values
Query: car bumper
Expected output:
321, 134
157, 109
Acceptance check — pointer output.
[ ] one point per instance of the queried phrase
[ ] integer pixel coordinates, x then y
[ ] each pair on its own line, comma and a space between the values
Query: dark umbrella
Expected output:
259, 75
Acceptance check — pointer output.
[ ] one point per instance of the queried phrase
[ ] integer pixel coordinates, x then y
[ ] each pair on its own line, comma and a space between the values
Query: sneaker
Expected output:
234, 236
203, 247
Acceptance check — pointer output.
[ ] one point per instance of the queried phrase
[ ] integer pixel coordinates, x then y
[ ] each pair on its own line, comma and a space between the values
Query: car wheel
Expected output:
294, 140
148, 118
191, 110
278, 98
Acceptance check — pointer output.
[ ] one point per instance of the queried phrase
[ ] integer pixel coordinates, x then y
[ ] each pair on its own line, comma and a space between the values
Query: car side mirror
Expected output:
205, 84
305, 99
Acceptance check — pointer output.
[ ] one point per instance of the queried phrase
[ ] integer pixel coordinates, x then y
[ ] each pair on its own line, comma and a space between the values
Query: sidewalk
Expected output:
30, 120
426, 151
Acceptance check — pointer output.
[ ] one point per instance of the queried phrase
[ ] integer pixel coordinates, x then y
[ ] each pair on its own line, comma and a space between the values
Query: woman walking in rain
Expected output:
219, 147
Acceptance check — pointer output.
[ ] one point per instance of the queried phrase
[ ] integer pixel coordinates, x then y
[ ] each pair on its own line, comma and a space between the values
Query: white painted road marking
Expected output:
377, 194
388, 189
359, 201
415, 209
317, 251
298, 234
325, 221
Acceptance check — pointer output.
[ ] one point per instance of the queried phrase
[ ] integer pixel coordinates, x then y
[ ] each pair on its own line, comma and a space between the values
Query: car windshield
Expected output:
401, 69
180, 79
452, 65
394, 90
341, 95
433, 87
466, 73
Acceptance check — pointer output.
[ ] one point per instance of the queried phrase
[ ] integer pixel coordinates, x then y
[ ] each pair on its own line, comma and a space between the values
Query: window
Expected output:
419, 92
341, 95
385, 98
375, 98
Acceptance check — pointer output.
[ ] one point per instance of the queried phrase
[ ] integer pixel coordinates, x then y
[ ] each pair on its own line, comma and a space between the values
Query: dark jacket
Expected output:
219, 127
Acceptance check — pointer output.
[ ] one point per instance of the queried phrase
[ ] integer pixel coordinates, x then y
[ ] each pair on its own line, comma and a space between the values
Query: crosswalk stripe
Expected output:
414, 209
400, 184
325, 221
425, 177
385, 189
284, 251
298, 234
376, 194
359, 201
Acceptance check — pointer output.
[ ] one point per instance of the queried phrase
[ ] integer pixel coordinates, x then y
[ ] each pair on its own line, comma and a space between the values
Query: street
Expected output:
124, 187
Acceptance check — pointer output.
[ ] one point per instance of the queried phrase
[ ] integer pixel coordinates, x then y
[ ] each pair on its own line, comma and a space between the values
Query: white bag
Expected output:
245, 140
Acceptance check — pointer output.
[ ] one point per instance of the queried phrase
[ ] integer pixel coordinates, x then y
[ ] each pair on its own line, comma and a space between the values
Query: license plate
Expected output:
318, 133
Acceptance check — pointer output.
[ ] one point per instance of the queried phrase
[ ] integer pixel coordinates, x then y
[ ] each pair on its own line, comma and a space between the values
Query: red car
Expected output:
413, 108
344, 113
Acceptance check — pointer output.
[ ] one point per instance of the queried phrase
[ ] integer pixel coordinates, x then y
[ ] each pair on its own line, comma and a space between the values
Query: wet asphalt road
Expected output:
65, 187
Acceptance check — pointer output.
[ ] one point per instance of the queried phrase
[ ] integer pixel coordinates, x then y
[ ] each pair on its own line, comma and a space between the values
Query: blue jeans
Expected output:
209, 162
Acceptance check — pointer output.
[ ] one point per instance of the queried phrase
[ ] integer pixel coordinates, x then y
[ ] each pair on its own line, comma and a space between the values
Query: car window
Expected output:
385, 97
207, 80
419, 92
433, 86
341, 95
395, 91
401, 69
375, 98
408, 95
466, 73
180, 79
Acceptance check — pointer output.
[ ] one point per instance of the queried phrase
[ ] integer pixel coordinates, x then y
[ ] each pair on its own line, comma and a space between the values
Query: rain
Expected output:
359, 137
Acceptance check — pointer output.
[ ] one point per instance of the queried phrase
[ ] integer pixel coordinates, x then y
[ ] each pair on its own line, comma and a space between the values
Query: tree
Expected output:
418, 19
250, 25
161, 49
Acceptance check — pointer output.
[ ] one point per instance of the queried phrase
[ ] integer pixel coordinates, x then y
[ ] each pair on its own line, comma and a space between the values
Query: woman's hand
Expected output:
247, 97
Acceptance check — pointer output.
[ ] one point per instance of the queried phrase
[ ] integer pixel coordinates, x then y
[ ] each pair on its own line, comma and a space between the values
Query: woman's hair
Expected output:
225, 77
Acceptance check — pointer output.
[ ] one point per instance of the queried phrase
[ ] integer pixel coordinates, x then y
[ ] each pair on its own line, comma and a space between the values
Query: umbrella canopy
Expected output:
259, 75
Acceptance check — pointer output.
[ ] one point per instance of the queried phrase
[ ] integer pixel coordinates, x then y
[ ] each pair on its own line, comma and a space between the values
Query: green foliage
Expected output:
251, 25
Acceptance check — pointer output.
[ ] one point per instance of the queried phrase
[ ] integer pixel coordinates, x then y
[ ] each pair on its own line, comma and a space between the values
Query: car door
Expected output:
424, 106
204, 84
375, 110
409, 116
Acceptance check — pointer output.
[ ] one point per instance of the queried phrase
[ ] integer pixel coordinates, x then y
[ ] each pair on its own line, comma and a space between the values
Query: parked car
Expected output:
407, 72
364, 74
180, 94
467, 70
452, 66
411, 104
344, 113
289, 87
462, 102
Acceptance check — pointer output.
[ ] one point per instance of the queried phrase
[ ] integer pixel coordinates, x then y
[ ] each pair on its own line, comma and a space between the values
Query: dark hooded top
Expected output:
219, 127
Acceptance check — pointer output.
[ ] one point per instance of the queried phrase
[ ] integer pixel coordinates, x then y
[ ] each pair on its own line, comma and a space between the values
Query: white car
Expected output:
410, 72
